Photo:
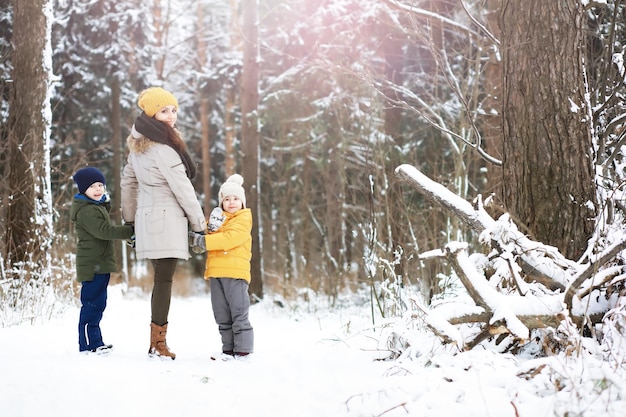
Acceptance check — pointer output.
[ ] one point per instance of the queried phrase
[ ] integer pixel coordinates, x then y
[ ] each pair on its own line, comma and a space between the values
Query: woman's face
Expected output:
168, 115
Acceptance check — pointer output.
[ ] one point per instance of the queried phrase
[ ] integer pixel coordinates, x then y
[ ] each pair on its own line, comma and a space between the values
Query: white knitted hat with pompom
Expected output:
233, 186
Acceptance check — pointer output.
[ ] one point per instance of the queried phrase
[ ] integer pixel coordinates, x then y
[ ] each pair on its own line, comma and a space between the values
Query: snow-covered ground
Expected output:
308, 362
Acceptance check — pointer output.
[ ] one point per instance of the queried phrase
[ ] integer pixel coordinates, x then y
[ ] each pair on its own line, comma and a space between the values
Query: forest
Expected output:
414, 149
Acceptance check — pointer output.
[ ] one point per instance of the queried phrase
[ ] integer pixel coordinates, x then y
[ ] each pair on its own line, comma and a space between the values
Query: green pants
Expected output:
164, 270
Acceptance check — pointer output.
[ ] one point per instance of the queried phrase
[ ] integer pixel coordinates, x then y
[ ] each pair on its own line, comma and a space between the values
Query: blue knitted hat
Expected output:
84, 177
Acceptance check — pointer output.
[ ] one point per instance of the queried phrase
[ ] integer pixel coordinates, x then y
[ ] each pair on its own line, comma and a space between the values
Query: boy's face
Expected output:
231, 204
95, 191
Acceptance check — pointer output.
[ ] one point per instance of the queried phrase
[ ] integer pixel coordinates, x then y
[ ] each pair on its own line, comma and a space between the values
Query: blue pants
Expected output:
93, 297
231, 302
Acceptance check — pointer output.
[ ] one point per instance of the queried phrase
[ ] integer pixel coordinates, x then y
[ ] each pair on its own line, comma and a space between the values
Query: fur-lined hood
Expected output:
139, 143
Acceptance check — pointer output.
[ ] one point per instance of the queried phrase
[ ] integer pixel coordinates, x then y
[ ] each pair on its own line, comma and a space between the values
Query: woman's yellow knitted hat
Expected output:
153, 99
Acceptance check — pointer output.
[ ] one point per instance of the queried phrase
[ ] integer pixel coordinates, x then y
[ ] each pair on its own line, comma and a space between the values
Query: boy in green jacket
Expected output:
95, 254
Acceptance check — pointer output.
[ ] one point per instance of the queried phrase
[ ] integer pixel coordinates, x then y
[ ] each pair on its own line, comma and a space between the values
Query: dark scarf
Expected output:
105, 201
156, 131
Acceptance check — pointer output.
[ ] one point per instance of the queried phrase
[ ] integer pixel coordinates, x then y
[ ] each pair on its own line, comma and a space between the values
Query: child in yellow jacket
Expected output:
229, 246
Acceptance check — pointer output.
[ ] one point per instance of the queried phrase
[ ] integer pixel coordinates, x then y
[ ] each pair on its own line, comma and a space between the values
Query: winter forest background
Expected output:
460, 161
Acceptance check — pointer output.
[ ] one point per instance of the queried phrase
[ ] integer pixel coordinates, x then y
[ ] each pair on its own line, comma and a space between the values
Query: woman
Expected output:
158, 197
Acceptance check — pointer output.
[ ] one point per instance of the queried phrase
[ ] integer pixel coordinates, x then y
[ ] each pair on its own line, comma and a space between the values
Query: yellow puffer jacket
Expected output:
230, 248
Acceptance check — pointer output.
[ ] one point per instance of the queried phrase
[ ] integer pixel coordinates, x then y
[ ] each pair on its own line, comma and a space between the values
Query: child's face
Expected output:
231, 204
95, 191
167, 115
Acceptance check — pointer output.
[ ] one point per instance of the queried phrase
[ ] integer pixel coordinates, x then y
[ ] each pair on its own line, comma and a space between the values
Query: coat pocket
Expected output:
155, 221
165, 234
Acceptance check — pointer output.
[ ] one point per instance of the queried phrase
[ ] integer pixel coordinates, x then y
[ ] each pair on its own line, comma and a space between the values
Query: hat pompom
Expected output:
153, 99
235, 178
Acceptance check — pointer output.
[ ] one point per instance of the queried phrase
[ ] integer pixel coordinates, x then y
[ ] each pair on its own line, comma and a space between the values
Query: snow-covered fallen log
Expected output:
542, 289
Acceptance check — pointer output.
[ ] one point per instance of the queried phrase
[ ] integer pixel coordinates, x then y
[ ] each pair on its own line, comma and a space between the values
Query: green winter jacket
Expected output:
95, 252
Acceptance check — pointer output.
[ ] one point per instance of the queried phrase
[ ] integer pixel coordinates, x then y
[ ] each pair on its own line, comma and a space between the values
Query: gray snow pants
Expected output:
231, 302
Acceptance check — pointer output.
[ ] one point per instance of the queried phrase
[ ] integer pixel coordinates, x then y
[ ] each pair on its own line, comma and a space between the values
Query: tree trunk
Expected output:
547, 167
394, 59
159, 38
29, 211
250, 136
230, 131
490, 123
204, 116
118, 153
333, 247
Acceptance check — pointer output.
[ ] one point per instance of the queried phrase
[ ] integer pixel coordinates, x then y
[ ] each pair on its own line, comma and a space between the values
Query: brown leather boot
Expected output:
158, 345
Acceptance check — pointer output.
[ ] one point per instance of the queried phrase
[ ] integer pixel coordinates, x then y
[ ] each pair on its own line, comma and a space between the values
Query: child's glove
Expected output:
216, 219
131, 241
197, 242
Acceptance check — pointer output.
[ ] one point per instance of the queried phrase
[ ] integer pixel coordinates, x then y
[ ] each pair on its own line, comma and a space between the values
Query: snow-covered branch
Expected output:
547, 267
478, 220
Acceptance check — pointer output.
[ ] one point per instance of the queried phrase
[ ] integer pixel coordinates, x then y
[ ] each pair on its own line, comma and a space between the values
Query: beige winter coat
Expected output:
159, 198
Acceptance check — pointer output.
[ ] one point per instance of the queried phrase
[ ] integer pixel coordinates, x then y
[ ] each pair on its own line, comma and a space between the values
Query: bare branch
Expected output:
426, 14
480, 25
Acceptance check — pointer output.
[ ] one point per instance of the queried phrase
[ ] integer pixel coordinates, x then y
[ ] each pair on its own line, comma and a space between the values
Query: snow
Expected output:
310, 360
